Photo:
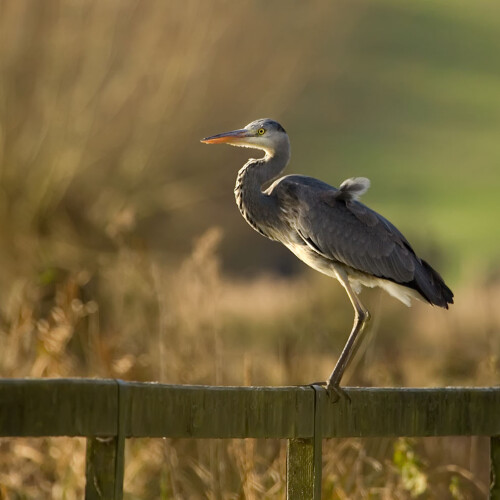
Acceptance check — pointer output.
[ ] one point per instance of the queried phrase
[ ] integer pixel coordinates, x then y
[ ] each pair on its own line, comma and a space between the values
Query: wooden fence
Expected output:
109, 411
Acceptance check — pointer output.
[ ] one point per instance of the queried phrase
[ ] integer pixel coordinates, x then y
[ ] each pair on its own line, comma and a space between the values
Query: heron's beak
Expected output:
227, 137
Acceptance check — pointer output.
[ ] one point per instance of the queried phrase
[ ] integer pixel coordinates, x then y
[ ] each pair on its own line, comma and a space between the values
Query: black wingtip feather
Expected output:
432, 287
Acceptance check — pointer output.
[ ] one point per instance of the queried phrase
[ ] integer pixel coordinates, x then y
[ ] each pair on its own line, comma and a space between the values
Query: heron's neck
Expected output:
258, 208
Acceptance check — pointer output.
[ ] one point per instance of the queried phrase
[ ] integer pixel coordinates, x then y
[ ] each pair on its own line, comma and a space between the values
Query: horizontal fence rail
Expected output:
109, 411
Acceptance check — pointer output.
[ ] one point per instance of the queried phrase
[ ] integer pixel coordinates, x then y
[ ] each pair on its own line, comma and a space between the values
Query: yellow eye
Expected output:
261, 131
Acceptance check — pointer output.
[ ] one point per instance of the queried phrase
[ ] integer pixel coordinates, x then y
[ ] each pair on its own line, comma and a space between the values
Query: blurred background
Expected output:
123, 254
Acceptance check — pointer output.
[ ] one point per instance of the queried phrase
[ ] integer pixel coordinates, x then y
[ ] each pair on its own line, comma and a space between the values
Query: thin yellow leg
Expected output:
361, 317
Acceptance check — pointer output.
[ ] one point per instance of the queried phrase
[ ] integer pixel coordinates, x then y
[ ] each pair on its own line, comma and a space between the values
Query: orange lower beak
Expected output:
226, 137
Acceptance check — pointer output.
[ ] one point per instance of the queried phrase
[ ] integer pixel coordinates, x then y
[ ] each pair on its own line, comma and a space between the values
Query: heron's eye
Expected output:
261, 131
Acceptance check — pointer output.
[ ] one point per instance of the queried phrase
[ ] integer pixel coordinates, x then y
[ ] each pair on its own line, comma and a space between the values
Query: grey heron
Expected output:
328, 229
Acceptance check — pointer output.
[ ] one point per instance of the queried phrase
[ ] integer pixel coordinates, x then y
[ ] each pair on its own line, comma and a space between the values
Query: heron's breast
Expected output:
310, 257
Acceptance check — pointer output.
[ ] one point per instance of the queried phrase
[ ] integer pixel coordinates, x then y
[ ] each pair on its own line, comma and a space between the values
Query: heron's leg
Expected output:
359, 340
361, 316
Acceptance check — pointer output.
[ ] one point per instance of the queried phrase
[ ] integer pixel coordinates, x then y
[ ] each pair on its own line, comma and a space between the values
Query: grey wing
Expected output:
344, 230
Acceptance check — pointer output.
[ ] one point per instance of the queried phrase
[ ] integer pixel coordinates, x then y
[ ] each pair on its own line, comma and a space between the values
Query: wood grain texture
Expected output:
451, 411
300, 469
100, 468
82, 407
495, 468
114, 410
220, 412
58, 407
304, 462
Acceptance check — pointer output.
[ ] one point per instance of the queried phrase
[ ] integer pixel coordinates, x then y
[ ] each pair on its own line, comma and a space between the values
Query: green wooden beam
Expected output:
304, 462
83, 407
495, 468
300, 469
100, 467
320, 400
220, 412
58, 407
105, 460
456, 411
304, 459
108, 411
123, 416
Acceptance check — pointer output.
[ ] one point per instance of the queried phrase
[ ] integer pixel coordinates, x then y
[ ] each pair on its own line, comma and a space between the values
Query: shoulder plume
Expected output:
352, 189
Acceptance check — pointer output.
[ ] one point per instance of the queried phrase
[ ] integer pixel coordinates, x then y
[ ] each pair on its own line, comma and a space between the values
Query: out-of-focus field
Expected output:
122, 253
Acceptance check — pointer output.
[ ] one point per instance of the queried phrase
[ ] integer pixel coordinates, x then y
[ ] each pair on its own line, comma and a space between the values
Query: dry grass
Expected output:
101, 188
207, 328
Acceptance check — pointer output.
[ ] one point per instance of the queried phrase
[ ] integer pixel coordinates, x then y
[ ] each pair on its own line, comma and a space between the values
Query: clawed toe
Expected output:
318, 383
335, 392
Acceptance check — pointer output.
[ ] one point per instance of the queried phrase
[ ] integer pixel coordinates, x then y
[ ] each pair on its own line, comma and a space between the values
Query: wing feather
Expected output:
345, 230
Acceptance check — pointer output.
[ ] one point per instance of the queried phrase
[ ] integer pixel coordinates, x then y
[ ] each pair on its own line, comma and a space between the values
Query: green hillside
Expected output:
413, 103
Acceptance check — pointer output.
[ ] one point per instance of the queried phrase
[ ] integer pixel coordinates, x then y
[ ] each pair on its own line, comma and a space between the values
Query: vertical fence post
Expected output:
105, 458
495, 467
304, 459
300, 469
100, 468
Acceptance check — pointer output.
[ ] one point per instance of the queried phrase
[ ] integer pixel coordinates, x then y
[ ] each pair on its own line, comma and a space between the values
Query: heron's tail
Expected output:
432, 287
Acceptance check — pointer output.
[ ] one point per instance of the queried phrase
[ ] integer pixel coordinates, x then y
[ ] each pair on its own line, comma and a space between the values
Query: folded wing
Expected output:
333, 223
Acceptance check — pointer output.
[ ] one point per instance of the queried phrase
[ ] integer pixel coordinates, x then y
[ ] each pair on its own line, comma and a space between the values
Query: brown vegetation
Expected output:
210, 329
101, 193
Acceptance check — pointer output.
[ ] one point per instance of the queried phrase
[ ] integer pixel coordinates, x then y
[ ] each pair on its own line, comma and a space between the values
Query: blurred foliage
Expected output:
410, 467
137, 319
102, 105
105, 191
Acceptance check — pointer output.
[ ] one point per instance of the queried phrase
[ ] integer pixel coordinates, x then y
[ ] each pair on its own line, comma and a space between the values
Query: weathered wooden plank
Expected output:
300, 469
123, 415
374, 412
320, 400
495, 468
304, 459
100, 468
105, 461
84, 407
220, 412
58, 407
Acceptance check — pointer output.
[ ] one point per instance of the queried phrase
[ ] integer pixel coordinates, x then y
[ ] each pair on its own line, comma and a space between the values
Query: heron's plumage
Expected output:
325, 226
352, 189
348, 232
328, 228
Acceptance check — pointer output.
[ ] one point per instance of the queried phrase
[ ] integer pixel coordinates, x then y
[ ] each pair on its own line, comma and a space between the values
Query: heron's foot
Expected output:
317, 383
333, 391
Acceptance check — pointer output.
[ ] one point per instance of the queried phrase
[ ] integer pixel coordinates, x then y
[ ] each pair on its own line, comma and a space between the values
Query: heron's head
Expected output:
264, 134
